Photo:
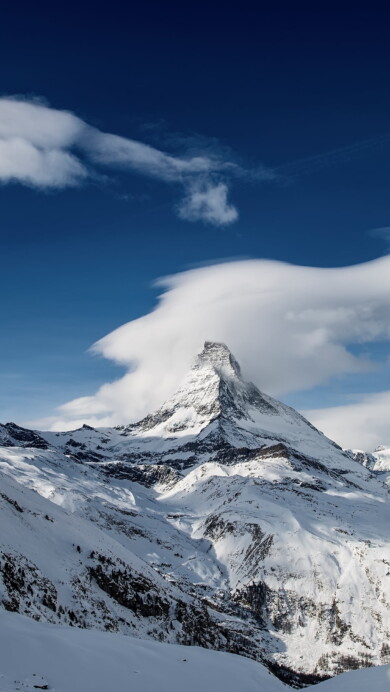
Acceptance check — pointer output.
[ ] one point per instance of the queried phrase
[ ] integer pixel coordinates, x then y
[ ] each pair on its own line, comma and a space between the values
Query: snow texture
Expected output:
224, 520
39, 656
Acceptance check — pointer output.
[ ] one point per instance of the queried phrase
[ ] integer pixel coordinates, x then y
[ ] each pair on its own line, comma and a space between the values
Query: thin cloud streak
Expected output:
327, 159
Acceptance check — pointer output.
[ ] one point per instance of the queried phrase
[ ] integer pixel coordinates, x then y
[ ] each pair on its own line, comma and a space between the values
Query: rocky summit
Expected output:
224, 519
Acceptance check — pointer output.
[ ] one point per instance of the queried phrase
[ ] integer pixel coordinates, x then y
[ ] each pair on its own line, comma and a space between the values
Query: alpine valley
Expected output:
223, 520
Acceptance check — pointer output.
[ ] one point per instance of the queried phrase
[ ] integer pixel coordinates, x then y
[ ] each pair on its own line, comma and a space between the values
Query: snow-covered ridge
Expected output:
377, 461
223, 519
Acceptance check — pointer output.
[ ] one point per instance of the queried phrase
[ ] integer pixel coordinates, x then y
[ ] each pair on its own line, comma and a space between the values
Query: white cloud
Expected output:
290, 327
43, 127
47, 168
364, 424
209, 203
47, 148
34, 140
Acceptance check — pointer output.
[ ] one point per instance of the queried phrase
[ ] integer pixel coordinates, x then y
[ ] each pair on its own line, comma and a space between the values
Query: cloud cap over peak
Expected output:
289, 327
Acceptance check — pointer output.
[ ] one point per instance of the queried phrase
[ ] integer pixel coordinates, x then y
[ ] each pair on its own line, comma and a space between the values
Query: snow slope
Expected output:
61, 567
34, 654
223, 519
377, 679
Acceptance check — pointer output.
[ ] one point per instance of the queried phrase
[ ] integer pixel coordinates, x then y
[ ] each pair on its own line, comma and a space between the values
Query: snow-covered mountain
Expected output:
377, 461
214, 415
224, 520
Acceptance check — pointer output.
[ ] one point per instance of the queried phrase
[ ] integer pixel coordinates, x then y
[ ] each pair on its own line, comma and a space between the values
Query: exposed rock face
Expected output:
377, 461
12, 435
223, 519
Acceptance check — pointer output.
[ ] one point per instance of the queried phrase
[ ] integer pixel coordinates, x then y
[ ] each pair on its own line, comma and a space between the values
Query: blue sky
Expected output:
295, 100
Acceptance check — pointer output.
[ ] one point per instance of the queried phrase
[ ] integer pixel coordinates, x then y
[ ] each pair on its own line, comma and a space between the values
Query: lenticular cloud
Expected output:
290, 327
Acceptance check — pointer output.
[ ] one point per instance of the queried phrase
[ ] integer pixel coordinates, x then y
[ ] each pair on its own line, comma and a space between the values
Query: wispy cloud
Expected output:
327, 159
47, 148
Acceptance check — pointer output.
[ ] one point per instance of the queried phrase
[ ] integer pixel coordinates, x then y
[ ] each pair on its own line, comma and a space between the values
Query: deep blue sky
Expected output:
276, 86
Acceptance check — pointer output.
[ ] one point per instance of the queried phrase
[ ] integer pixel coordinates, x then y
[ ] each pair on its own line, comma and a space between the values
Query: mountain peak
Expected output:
214, 408
213, 393
220, 357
